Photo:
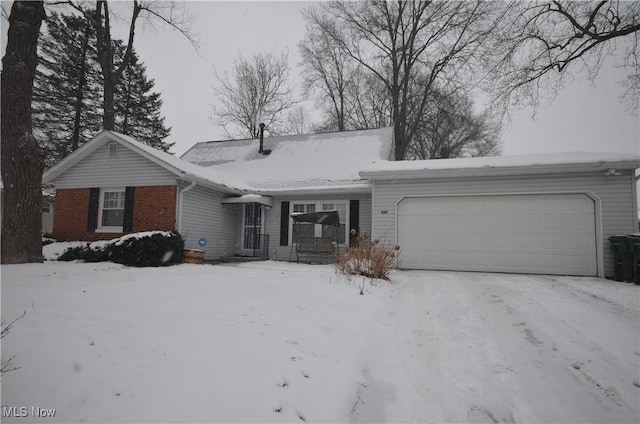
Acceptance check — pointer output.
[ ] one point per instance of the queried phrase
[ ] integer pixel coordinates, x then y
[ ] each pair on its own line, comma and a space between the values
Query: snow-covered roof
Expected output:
319, 162
192, 170
181, 168
330, 161
501, 165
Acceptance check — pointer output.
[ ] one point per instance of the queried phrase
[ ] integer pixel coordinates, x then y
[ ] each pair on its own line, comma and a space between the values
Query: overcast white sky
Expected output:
582, 117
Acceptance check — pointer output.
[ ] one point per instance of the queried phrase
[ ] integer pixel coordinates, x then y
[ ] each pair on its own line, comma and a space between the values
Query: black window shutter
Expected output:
354, 219
129, 196
284, 223
92, 214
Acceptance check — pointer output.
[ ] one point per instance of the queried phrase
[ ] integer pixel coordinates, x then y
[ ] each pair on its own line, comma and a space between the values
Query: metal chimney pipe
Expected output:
261, 137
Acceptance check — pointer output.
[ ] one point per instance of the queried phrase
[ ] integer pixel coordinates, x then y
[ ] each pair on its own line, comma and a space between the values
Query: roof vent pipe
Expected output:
261, 137
262, 150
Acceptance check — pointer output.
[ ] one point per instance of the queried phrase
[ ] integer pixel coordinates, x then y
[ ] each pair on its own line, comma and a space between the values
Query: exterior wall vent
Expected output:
113, 150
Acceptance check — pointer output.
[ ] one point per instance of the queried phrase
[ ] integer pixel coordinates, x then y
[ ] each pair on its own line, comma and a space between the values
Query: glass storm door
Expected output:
253, 220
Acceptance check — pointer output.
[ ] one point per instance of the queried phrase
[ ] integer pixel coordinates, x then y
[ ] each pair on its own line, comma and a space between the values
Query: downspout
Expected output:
181, 204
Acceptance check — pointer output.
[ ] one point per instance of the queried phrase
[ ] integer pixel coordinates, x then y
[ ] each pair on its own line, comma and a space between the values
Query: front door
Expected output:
253, 221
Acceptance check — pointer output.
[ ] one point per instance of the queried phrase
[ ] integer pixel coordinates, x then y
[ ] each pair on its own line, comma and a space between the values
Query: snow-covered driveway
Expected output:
280, 342
472, 347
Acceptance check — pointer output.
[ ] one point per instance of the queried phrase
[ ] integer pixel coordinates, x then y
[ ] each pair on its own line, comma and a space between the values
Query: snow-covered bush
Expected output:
152, 248
368, 258
156, 248
87, 253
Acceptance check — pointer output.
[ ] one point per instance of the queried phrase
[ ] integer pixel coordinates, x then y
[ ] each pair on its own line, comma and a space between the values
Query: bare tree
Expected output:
369, 102
450, 129
396, 40
298, 121
170, 13
21, 156
327, 69
257, 91
540, 41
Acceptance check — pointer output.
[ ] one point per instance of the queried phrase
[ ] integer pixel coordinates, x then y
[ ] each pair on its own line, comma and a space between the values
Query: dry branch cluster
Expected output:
368, 258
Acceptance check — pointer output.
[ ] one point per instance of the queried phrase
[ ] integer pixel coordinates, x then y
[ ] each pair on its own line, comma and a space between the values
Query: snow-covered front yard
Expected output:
281, 342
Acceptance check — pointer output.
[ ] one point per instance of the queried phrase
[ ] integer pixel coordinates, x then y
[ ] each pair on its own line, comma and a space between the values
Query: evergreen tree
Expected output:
67, 89
137, 107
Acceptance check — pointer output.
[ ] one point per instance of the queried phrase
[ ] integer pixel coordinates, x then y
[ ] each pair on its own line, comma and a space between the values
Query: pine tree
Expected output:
137, 107
67, 90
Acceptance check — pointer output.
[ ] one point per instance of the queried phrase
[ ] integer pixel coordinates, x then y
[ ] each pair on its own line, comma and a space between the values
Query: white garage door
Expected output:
540, 233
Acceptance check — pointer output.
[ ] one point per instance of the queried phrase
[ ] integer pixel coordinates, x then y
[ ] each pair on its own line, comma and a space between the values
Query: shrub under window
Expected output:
153, 248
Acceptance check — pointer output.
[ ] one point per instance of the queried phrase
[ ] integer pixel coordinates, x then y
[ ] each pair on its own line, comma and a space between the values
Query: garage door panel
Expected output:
549, 233
578, 244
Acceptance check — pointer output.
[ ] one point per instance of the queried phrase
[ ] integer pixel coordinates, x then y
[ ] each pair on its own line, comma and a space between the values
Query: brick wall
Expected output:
154, 208
70, 216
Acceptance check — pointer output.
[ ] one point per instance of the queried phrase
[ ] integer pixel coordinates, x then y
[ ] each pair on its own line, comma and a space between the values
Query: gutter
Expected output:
496, 171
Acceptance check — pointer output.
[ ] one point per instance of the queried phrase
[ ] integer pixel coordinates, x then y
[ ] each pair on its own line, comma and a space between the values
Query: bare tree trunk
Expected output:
21, 156
105, 54
75, 138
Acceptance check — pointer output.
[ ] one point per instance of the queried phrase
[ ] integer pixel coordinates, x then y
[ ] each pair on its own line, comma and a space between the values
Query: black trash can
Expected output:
623, 258
633, 241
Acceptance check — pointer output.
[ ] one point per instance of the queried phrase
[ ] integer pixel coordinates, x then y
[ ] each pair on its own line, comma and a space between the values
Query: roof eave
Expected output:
490, 171
216, 186
355, 189
50, 175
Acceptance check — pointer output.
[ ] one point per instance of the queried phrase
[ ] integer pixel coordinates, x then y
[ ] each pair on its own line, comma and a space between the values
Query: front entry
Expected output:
252, 229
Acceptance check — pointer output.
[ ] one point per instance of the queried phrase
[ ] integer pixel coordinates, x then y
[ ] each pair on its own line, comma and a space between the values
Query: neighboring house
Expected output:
548, 214
48, 198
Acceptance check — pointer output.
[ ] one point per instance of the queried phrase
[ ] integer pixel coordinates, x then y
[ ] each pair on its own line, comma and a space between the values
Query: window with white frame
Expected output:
111, 214
308, 229
327, 231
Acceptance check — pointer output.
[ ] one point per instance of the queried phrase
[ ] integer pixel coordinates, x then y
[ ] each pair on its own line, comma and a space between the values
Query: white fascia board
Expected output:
146, 154
185, 176
488, 171
355, 189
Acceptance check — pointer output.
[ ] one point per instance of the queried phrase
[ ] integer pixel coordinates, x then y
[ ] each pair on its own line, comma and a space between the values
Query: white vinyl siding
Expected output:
204, 216
128, 168
615, 193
